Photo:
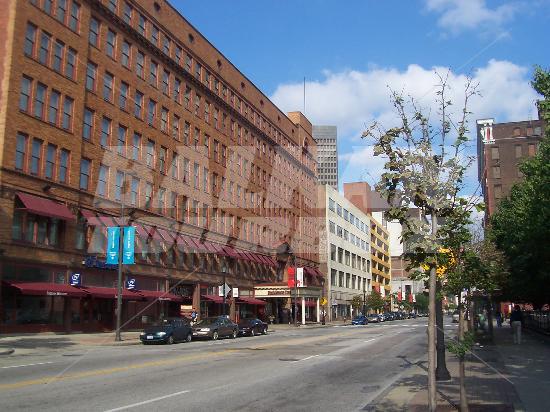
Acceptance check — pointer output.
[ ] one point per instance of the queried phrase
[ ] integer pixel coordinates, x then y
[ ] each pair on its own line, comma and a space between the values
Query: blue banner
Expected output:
75, 279
113, 239
128, 246
131, 284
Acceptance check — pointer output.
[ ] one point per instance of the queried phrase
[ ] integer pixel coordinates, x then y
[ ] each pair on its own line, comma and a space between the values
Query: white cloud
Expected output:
351, 100
460, 15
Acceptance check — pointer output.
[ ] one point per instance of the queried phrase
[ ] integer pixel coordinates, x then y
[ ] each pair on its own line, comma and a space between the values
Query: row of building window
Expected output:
67, 12
345, 257
347, 215
518, 151
348, 236
38, 158
347, 280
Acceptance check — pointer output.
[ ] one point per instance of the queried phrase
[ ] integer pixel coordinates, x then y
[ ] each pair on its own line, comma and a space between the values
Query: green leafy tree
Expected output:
357, 302
520, 226
421, 304
375, 301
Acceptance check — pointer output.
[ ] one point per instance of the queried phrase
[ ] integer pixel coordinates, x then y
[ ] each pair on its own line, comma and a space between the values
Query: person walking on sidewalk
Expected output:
498, 316
516, 322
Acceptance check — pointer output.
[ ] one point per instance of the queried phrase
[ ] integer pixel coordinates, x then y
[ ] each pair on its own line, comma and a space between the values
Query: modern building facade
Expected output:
327, 155
500, 149
344, 252
370, 203
116, 113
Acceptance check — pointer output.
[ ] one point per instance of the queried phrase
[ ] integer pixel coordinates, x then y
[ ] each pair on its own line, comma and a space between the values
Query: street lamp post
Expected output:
224, 272
118, 338
323, 296
295, 291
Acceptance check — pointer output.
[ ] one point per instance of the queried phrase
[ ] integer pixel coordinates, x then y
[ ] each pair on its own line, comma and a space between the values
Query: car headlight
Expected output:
161, 333
142, 334
205, 329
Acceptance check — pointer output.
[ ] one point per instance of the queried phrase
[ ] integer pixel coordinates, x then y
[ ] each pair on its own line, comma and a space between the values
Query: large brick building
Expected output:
500, 149
106, 103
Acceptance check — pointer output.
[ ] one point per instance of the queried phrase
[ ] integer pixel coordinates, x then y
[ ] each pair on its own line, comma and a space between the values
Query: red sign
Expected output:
291, 282
291, 270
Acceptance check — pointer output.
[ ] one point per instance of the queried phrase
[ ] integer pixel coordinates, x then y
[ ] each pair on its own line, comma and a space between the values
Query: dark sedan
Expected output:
214, 328
168, 331
252, 327
360, 320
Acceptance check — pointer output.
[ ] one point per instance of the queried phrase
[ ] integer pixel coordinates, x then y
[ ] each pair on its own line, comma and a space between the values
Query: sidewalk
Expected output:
499, 377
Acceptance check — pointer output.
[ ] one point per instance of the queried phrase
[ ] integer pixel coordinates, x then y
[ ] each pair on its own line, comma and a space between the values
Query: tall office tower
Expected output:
327, 155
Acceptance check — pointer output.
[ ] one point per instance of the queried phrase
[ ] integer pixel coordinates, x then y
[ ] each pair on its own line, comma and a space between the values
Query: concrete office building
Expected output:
344, 252
327, 155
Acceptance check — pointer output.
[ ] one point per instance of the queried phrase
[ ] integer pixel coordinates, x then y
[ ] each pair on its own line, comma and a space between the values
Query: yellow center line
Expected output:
109, 371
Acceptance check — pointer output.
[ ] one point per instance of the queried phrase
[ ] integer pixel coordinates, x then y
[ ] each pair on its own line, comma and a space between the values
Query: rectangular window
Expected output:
148, 195
166, 82
162, 200
67, 120
205, 180
206, 145
103, 180
196, 169
123, 97
519, 151
62, 174
91, 76
87, 124
39, 100
36, 157
142, 23
196, 139
105, 139
186, 132
151, 112
25, 95
85, 166
166, 45
108, 86
70, 64
21, 151
74, 17
198, 70
136, 146
127, 13
61, 10
113, 5
173, 205
93, 36
495, 155
496, 172
187, 97
164, 120
163, 154
197, 105
174, 166
150, 155
30, 40
175, 127
155, 34
121, 141
53, 109
138, 104
125, 59
531, 149
58, 51
140, 64
134, 191
207, 112
177, 90
110, 46
119, 185
185, 166
153, 73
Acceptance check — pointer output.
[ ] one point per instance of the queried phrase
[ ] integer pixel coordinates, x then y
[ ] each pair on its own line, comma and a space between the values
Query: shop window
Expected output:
28, 227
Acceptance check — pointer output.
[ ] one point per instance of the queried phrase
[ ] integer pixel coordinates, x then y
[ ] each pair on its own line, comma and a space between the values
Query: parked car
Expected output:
397, 315
252, 327
214, 328
389, 316
375, 318
456, 316
360, 320
168, 331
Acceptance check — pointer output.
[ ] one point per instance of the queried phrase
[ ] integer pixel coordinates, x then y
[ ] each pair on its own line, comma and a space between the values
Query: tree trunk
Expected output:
432, 386
490, 317
462, 363
441, 372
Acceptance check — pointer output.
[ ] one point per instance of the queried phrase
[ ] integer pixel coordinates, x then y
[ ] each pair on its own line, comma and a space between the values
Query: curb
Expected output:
7, 352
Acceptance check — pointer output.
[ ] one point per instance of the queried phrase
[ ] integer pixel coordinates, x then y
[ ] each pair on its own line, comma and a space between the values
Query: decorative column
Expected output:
318, 312
303, 311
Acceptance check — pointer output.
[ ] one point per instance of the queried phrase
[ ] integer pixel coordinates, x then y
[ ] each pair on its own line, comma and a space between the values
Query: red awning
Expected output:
106, 221
157, 295
87, 213
45, 207
111, 293
219, 249
213, 298
48, 289
231, 252
166, 236
251, 301
264, 259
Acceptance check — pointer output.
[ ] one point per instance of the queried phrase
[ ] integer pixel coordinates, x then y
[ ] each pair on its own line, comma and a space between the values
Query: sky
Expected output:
352, 52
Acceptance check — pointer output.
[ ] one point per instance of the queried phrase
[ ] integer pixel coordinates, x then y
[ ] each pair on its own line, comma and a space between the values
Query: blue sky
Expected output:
349, 51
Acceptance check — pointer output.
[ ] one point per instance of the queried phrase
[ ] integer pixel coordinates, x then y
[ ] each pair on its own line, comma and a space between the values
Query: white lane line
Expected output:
309, 357
28, 364
369, 340
148, 401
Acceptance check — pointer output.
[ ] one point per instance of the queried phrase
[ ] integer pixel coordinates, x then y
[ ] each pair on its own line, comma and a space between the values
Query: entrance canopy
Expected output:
251, 301
47, 289
44, 207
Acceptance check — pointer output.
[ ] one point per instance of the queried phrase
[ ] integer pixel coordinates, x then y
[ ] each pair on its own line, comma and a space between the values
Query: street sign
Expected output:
75, 279
128, 245
235, 292
225, 287
324, 301
113, 239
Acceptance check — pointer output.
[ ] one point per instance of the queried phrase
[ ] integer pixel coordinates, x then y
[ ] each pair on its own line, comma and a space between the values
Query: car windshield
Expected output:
164, 322
207, 321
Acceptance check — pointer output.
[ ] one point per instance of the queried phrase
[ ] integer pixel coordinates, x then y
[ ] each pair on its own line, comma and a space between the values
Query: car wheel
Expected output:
252, 332
235, 333
264, 331
215, 335
170, 340
189, 337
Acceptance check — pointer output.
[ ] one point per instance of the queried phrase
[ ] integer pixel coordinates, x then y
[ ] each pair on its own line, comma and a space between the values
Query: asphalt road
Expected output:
336, 368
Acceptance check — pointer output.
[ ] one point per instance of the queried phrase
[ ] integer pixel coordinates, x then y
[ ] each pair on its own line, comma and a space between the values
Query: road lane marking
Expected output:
369, 340
102, 372
160, 398
28, 364
309, 357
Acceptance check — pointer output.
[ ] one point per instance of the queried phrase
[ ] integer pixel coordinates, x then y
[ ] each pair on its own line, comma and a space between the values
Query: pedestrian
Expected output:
516, 322
194, 316
498, 317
